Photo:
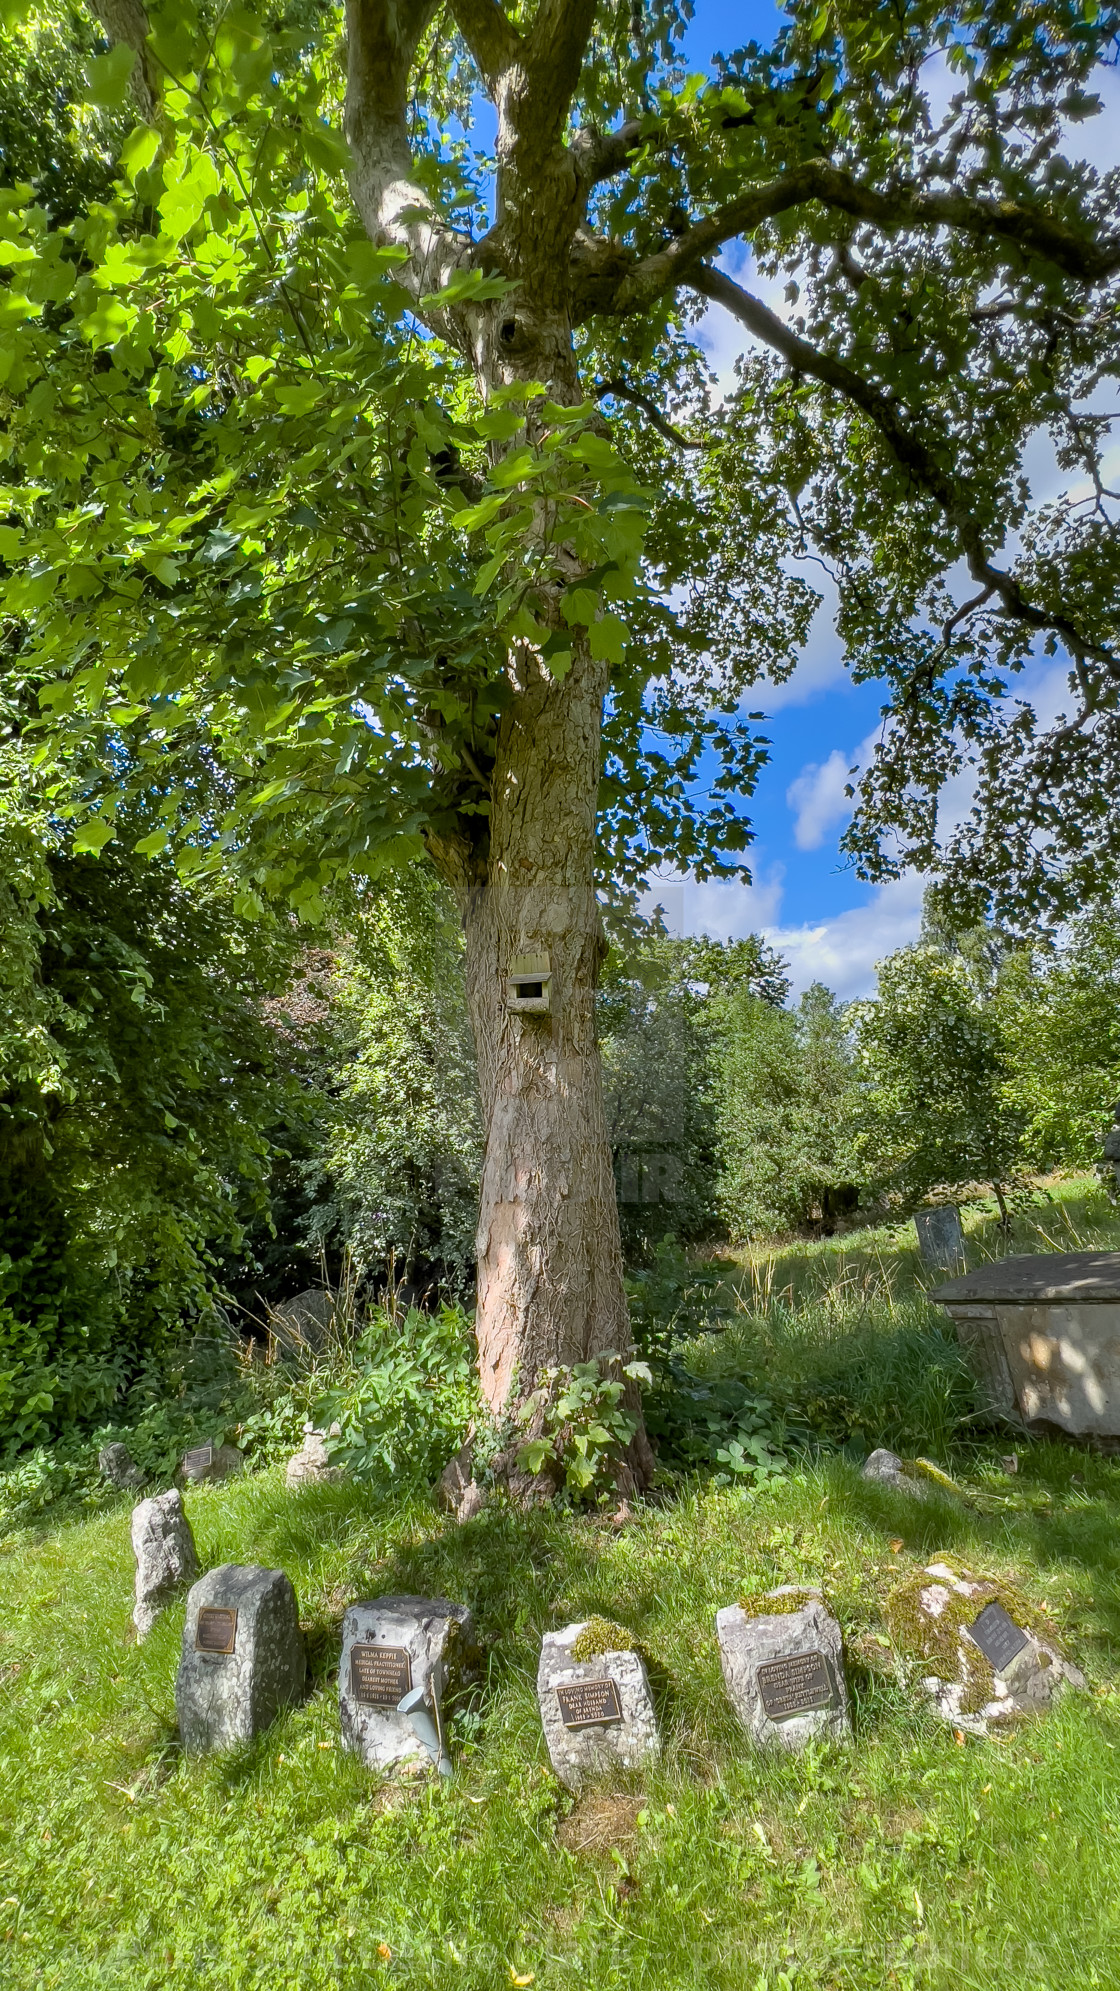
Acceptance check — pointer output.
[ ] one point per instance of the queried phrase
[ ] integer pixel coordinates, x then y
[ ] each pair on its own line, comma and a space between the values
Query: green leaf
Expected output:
107, 77
94, 835
466, 287
608, 639
139, 149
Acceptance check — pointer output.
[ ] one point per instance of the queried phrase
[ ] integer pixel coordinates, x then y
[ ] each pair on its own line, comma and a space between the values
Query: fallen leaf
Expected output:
529, 1977
958, 1737
384, 1952
897, 1544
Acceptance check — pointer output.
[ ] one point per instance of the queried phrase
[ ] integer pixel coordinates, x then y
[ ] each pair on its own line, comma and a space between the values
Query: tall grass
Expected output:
843, 1330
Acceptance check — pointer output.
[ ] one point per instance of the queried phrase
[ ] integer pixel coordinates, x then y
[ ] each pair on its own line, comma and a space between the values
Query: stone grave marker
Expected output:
209, 1462
163, 1545
116, 1464
783, 1663
595, 1702
941, 1239
311, 1465
980, 1651
399, 1657
243, 1656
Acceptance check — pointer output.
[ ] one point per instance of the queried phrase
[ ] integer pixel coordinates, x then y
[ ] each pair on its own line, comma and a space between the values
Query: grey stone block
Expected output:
116, 1464
394, 1649
243, 1656
165, 1553
784, 1671
886, 1469
597, 1714
209, 1462
311, 1465
941, 1239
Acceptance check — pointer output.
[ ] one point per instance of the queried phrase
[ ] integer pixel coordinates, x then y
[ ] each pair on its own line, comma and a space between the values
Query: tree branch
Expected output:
1026, 229
491, 37
559, 37
908, 450
622, 390
382, 39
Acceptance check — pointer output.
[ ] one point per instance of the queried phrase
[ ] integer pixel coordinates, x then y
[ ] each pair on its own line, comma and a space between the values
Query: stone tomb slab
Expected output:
243, 1657
597, 1713
395, 1649
979, 1667
784, 1669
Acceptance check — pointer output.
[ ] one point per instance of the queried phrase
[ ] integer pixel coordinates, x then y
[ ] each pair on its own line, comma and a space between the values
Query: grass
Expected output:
842, 1327
911, 1859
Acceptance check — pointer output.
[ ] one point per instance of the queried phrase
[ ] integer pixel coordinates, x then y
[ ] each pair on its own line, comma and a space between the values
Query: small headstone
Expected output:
597, 1712
784, 1668
311, 1464
886, 1469
116, 1464
243, 1657
402, 1650
980, 1663
941, 1239
210, 1462
165, 1553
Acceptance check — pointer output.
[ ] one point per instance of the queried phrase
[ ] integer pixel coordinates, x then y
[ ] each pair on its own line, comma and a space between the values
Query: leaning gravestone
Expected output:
165, 1553
783, 1663
243, 1656
116, 1464
981, 1652
595, 1702
399, 1657
941, 1239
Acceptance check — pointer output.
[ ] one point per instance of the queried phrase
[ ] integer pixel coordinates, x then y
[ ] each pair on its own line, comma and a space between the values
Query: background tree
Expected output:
1059, 1008
784, 1084
385, 581
934, 1110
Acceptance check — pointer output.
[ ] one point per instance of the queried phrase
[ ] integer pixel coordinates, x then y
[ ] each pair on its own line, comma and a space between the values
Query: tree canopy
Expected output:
268, 543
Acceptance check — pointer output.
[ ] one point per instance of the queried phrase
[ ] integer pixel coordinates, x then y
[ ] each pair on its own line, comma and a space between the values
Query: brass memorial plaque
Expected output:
216, 1630
380, 1675
589, 1703
801, 1683
998, 1636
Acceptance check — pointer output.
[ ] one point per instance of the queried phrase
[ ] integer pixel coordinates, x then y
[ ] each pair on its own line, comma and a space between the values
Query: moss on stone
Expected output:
937, 1641
763, 1604
600, 1635
925, 1469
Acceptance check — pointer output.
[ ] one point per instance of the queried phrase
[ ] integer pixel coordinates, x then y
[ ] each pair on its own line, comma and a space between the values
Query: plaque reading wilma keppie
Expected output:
380, 1675
589, 1703
998, 1636
797, 1683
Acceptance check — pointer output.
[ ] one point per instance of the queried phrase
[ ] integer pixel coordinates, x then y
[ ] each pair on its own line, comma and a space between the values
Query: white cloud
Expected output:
817, 796
841, 951
844, 952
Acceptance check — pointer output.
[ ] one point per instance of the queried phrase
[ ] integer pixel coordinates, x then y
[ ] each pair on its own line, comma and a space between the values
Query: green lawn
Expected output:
911, 1859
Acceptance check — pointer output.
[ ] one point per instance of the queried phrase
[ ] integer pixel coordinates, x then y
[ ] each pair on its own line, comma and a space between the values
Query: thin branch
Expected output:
622, 391
908, 450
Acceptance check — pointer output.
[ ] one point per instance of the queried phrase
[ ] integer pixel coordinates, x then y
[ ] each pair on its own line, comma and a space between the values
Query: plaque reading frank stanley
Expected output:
801, 1683
998, 1636
589, 1703
380, 1675
216, 1630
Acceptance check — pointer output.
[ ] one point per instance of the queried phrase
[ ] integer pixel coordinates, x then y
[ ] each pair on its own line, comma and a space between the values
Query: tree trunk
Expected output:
550, 1285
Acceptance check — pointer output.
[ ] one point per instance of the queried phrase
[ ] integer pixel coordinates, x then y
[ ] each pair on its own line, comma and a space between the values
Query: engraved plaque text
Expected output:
998, 1636
216, 1630
589, 1703
380, 1675
798, 1684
